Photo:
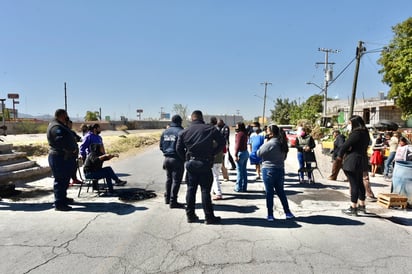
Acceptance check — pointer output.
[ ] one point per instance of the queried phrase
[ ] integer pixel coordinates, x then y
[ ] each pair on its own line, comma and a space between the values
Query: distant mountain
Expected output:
44, 117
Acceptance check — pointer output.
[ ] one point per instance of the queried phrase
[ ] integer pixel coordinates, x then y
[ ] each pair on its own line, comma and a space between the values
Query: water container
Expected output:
402, 179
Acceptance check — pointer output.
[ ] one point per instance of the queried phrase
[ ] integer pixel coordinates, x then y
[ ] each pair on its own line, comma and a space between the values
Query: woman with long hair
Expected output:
273, 154
304, 143
241, 157
355, 163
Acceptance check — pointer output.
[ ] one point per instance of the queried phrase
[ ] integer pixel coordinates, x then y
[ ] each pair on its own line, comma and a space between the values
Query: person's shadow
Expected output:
112, 207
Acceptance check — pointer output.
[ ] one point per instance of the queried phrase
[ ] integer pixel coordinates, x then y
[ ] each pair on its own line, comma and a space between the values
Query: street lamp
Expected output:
324, 91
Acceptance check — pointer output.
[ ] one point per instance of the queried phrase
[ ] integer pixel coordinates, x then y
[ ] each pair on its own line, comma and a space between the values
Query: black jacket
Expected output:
197, 141
93, 163
355, 148
337, 144
61, 140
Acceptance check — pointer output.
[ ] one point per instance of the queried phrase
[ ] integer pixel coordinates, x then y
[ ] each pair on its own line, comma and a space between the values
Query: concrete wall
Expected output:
25, 127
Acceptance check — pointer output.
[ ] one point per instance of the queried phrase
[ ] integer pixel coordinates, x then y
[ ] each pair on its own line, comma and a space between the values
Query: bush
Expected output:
29, 128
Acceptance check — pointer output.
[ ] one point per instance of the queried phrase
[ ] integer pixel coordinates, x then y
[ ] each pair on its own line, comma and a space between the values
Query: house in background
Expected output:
373, 110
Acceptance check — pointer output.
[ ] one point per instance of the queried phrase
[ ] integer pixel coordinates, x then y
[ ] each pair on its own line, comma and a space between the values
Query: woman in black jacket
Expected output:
355, 162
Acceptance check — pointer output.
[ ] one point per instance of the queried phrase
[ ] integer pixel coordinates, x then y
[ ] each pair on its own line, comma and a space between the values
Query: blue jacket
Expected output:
168, 140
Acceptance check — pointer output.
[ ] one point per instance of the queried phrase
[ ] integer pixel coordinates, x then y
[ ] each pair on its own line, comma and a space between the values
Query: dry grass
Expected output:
127, 143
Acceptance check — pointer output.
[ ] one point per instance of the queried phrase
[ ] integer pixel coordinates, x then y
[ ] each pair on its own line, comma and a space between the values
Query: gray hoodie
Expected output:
271, 154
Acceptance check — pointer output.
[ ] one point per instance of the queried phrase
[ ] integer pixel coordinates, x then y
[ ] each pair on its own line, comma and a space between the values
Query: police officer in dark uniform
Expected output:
63, 151
173, 164
195, 144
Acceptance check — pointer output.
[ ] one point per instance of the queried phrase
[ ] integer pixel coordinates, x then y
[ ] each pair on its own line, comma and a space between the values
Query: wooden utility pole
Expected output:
65, 97
359, 51
264, 102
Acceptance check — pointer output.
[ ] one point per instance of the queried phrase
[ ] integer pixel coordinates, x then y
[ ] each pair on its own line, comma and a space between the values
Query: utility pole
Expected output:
328, 76
359, 51
65, 97
264, 101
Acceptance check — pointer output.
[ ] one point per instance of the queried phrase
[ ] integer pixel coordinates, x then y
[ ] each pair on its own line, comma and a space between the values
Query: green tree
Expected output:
396, 59
282, 110
295, 114
91, 116
312, 108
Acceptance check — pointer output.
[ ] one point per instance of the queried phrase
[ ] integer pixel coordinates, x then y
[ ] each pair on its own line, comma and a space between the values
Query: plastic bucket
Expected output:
402, 179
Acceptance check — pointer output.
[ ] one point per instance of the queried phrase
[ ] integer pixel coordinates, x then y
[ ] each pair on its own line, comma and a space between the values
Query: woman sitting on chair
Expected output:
93, 167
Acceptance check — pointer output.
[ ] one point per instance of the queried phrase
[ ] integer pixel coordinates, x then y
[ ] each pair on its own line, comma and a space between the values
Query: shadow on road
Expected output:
235, 208
112, 207
328, 220
261, 222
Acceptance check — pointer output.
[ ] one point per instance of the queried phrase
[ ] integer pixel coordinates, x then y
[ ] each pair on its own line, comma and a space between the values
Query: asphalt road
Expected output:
108, 235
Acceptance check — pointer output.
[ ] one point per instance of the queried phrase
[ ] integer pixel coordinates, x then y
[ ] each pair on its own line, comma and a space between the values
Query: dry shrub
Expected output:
38, 149
113, 144
125, 143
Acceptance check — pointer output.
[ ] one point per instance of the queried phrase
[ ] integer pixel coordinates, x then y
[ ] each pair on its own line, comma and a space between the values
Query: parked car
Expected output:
291, 136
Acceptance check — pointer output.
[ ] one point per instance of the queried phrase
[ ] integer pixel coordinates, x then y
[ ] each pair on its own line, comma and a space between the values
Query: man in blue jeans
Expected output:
93, 167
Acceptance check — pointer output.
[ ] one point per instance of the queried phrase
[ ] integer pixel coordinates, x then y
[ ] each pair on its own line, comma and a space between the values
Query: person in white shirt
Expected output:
403, 152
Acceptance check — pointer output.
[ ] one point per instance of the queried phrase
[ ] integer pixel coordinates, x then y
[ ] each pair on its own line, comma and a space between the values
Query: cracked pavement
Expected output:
107, 235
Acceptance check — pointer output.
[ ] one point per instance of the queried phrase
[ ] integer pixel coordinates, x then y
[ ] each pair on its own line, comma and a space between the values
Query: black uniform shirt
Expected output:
196, 141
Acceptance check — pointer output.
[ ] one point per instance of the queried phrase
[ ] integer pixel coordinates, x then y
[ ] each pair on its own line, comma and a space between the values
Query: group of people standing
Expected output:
398, 151
352, 157
199, 150
64, 156
193, 149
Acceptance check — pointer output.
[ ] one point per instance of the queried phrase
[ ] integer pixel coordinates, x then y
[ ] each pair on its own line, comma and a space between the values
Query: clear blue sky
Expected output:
119, 56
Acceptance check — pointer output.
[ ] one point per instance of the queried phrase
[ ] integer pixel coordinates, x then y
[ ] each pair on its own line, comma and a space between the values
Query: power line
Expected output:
340, 73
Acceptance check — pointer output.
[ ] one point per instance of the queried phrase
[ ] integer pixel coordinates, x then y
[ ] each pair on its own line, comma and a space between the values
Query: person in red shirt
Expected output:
241, 157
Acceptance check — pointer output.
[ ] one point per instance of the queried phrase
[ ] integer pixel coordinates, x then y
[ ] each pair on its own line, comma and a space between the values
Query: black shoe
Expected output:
192, 219
213, 220
63, 208
350, 211
95, 185
362, 209
70, 200
176, 205
120, 183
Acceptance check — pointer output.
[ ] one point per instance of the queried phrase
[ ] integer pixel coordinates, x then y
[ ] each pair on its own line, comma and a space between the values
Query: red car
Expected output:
291, 136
